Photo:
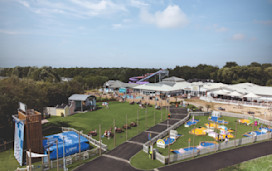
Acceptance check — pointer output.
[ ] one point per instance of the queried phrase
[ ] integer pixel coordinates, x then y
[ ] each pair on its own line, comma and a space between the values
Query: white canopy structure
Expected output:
155, 87
235, 94
251, 95
221, 92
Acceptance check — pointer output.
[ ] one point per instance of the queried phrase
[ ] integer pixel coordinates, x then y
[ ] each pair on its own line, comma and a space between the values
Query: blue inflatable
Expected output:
71, 144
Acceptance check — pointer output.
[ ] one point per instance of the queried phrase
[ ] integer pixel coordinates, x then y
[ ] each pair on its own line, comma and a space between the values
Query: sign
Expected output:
22, 106
161, 143
19, 141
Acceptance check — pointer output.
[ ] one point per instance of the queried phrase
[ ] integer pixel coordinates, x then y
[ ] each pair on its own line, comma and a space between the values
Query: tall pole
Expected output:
57, 156
79, 145
29, 161
194, 142
161, 114
137, 120
145, 120
154, 118
126, 127
169, 149
48, 154
253, 126
236, 132
64, 165
114, 133
100, 139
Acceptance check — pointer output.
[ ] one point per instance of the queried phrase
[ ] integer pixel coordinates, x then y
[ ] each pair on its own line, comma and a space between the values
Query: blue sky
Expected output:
134, 33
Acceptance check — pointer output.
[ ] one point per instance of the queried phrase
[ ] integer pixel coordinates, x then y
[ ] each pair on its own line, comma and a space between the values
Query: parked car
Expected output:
220, 108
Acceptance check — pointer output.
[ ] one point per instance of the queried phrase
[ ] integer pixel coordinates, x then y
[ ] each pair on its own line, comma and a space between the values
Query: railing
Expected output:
91, 140
218, 147
165, 132
236, 115
235, 102
6, 145
176, 125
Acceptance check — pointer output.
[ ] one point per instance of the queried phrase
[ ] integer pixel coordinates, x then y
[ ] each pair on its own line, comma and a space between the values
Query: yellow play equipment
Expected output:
244, 121
231, 130
198, 131
211, 125
223, 136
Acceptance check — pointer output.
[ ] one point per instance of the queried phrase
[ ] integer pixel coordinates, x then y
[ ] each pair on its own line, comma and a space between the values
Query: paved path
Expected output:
118, 158
223, 159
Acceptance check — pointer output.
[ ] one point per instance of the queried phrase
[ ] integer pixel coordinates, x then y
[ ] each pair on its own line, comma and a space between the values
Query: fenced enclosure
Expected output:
91, 140
220, 146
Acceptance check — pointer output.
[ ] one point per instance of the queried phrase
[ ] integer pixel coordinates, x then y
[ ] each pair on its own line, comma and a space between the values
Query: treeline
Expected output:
36, 94
41, 87
89, 78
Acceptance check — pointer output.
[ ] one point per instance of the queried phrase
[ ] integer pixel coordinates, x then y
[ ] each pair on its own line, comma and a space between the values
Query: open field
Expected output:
117, 111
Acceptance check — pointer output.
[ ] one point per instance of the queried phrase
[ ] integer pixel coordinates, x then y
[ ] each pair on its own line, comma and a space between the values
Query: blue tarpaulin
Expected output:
71, 144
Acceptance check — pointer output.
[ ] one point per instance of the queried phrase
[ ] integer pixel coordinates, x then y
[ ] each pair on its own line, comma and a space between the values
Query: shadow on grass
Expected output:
55, 127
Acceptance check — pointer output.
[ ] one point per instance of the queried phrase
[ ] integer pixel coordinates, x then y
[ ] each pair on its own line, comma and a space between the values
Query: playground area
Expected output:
208, 131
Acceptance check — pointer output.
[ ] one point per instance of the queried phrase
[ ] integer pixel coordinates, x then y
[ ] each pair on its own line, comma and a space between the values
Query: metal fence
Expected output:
172, 127
236, 115
221, 146
72, 158
6, 145
91, 140
217, 147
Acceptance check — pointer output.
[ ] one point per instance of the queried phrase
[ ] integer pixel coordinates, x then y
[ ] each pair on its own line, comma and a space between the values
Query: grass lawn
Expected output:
90, 121
141, 161
259, 164
8, 161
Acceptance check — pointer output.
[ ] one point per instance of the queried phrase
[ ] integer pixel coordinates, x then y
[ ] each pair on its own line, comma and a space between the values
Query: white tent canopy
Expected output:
235, 94
221, 92
251, 95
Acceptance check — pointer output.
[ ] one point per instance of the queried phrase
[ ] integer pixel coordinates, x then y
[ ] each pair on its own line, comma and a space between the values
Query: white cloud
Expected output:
77, 8
138, 4
101, 7
24, 3
117, 26
238, 36
171, 17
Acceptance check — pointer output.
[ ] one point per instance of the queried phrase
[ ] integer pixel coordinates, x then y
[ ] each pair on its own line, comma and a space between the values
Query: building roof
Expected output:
79, 97
119, 84
173, 79
62, 106
155, 87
